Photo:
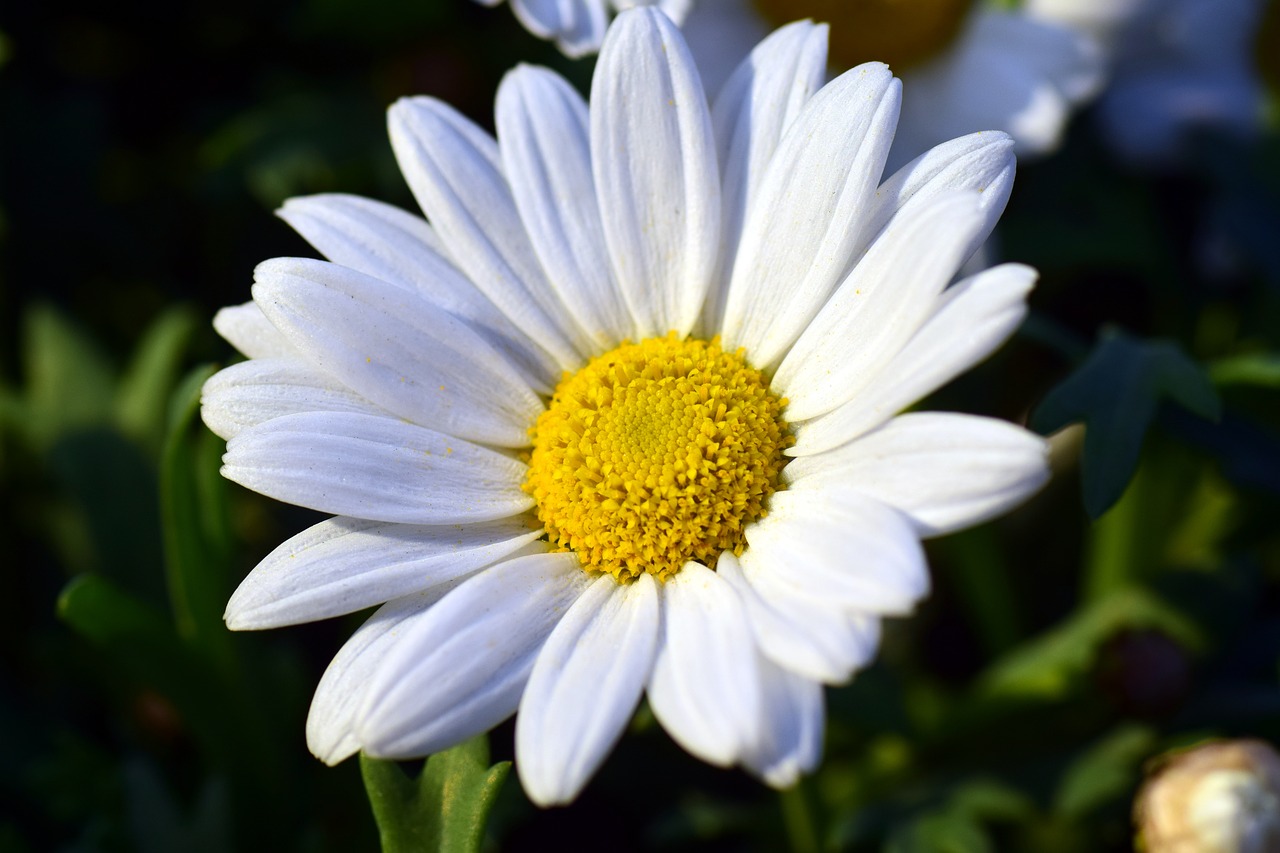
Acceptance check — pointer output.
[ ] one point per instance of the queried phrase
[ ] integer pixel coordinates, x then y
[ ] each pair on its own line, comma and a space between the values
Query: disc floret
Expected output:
655, 454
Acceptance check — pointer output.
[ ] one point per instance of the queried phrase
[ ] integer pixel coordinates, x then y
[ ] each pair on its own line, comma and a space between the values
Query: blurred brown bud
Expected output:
1219, 797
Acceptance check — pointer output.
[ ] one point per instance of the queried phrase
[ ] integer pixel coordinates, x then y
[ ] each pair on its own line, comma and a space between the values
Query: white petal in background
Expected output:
261, 389
455, 172
759, 102
676, 10
654, 160
460, 669
375, 468
843, 548
971, 320
585, 686
807, 224
705, 686
945, 471
345, 564
877, 309
1006, 72
331, 735
412, 358
576, 26
247, 329
546, 152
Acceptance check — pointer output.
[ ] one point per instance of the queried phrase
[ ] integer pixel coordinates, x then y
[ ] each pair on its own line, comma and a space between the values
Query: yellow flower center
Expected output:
656, 454
900, 32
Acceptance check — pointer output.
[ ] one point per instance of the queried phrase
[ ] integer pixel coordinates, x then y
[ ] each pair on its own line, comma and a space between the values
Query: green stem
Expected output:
798, 815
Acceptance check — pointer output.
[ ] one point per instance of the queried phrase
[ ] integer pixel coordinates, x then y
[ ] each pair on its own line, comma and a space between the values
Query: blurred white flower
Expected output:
965, 66
1216, 798
1176, 67
1102, 19
559, 520
578, 26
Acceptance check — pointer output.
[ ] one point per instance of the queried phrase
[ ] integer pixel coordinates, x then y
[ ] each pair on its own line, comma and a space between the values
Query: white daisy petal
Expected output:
375, 468
547, 18
546, 151
705, 686
461, 668
791, 743
812, 638
653, 156
376, 239
411, 358
331, 735
454, 170
981, 162
388, 243
878, 307
584, 687
757, 104
247, 329
577, 26
676, 10
842, 547
945, 471
345, 564
258, 390
972, 319
808, 222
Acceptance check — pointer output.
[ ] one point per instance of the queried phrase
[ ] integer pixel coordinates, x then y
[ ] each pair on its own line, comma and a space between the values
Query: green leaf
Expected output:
69, 382
1048, 667
944, 831
992, 800
1107, 771
444, 809
1116, 393
145, 386
196, 519
1261, 369
102, 613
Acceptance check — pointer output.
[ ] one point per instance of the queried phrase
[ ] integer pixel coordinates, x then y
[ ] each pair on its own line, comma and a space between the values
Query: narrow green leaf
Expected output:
194, 514
444, 809
1107, 771
69, 381
1116, 393
142, 400
1050, 666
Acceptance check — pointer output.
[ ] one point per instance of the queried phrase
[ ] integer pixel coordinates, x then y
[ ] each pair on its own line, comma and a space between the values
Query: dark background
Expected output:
143, 148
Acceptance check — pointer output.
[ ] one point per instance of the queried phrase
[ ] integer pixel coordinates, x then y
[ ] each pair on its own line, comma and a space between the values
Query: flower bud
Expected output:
1219, 797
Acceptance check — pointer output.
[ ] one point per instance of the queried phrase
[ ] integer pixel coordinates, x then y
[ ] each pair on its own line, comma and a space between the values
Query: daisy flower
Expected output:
1178, 67
622, 419
966, 65
577, 26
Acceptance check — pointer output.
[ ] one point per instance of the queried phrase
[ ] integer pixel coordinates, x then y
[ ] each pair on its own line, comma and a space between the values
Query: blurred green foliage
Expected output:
1062, 648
